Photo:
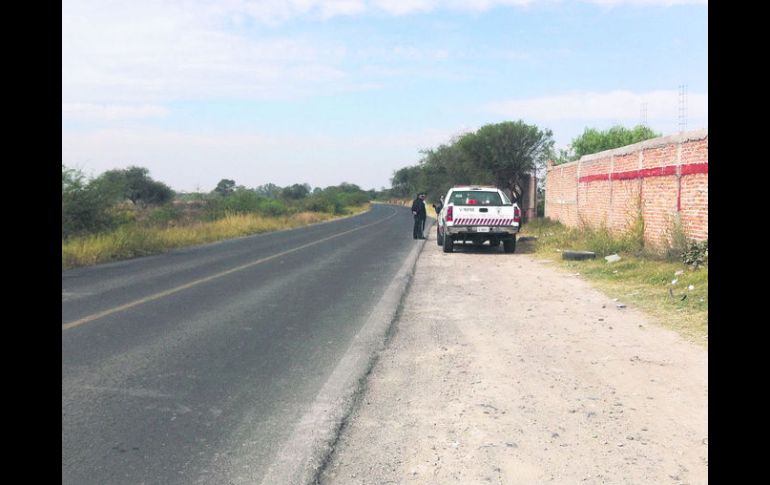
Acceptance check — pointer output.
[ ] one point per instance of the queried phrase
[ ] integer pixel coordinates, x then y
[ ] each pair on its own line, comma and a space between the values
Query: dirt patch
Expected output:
506, 369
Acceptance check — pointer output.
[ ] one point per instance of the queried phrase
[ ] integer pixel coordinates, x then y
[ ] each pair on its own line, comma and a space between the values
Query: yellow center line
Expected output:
134, 303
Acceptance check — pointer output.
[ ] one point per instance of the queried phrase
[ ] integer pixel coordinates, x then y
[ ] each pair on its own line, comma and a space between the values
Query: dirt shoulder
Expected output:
505, 369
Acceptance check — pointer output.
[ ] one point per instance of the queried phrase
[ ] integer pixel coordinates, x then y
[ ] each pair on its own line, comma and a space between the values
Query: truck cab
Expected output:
477, 214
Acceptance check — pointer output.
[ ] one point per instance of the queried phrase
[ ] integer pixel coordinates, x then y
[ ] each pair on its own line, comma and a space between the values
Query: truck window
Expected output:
476, 197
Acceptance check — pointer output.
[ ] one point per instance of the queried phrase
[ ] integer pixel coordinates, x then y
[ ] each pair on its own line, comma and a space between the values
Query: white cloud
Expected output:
276, 11
140, 52
614, 105
145, 51
402, 7
646, 3
90, 111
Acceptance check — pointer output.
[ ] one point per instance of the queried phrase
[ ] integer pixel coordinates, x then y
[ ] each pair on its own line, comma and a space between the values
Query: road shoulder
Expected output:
504, 369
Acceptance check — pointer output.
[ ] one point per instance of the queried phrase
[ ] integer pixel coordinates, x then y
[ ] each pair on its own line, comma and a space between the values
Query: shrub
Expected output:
677, 238
696, 253
326, 202
353, 198
84, 208
272, 208
164, 215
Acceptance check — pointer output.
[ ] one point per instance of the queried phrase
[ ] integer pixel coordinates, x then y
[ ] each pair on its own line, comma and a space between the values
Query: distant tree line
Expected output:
131, 196
272, 200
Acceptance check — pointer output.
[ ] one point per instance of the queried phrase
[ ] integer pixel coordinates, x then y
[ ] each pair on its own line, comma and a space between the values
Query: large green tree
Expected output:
225, 187
445, 166
135, 184
296, 191
507, 153
405, 181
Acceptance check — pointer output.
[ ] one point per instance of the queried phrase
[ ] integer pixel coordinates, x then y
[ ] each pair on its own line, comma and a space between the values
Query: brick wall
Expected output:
665, 178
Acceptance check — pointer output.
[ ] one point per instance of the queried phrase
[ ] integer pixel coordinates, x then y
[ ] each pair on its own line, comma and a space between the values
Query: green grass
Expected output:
641, 278
135, 240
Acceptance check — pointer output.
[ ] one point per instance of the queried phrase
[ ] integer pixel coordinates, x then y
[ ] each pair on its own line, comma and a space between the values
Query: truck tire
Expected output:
449, 245
509, 245
439, 237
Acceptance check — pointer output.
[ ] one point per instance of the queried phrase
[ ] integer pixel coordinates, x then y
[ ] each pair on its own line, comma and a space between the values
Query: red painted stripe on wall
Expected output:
649, 172
593, 178
695, 168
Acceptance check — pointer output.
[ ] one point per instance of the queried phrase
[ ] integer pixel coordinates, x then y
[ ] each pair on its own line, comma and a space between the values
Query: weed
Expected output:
665, 289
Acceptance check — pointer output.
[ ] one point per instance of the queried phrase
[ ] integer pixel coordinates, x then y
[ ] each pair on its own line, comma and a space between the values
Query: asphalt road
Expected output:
195, 365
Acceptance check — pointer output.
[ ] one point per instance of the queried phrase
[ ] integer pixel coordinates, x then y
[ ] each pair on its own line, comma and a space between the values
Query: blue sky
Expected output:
331, 91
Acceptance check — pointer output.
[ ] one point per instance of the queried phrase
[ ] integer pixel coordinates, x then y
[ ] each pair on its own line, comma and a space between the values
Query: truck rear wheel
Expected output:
449, 244
509, 245
439, 237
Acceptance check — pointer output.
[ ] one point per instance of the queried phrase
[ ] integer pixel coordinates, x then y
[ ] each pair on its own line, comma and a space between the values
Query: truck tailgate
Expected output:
483, 216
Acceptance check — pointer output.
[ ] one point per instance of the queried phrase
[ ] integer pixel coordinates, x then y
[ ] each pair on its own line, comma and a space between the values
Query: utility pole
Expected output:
682, 108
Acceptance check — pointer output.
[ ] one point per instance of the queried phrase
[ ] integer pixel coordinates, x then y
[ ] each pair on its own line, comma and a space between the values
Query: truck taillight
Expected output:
449, 213
516, 215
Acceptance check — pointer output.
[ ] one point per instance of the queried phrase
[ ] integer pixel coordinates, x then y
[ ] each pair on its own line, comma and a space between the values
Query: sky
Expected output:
330, 91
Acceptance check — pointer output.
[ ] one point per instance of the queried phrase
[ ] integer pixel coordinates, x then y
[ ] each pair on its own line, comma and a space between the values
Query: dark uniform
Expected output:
419, 213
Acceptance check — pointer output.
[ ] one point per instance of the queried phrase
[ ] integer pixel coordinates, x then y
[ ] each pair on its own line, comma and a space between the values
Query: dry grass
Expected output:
645, 280
135, 240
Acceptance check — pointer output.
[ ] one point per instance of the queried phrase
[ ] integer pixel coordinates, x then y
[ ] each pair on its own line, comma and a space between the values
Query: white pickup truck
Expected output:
478, 214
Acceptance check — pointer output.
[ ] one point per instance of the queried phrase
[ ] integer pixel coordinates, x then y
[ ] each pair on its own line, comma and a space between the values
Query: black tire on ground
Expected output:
509, 245
527, 238
439, 237
578, 255
494, 243
449, 245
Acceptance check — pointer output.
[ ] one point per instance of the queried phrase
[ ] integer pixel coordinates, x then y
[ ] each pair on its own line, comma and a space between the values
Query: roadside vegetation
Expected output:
124, 213
669, 284
502, 154
595, 141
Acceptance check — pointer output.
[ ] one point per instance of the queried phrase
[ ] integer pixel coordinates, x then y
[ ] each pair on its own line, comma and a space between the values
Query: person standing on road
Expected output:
419, 213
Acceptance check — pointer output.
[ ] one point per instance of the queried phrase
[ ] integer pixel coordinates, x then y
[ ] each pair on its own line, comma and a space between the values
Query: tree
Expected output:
296, 191
443, 167
405, 181
84, 208
508, 153
134, 184
225, 187
594, 141
269, 190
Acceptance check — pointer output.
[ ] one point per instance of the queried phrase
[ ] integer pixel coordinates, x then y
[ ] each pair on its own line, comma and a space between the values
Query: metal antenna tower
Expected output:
643, 115
682, 108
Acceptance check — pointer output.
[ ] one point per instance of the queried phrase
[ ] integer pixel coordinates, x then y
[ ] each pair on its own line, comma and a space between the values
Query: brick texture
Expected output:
665, 178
